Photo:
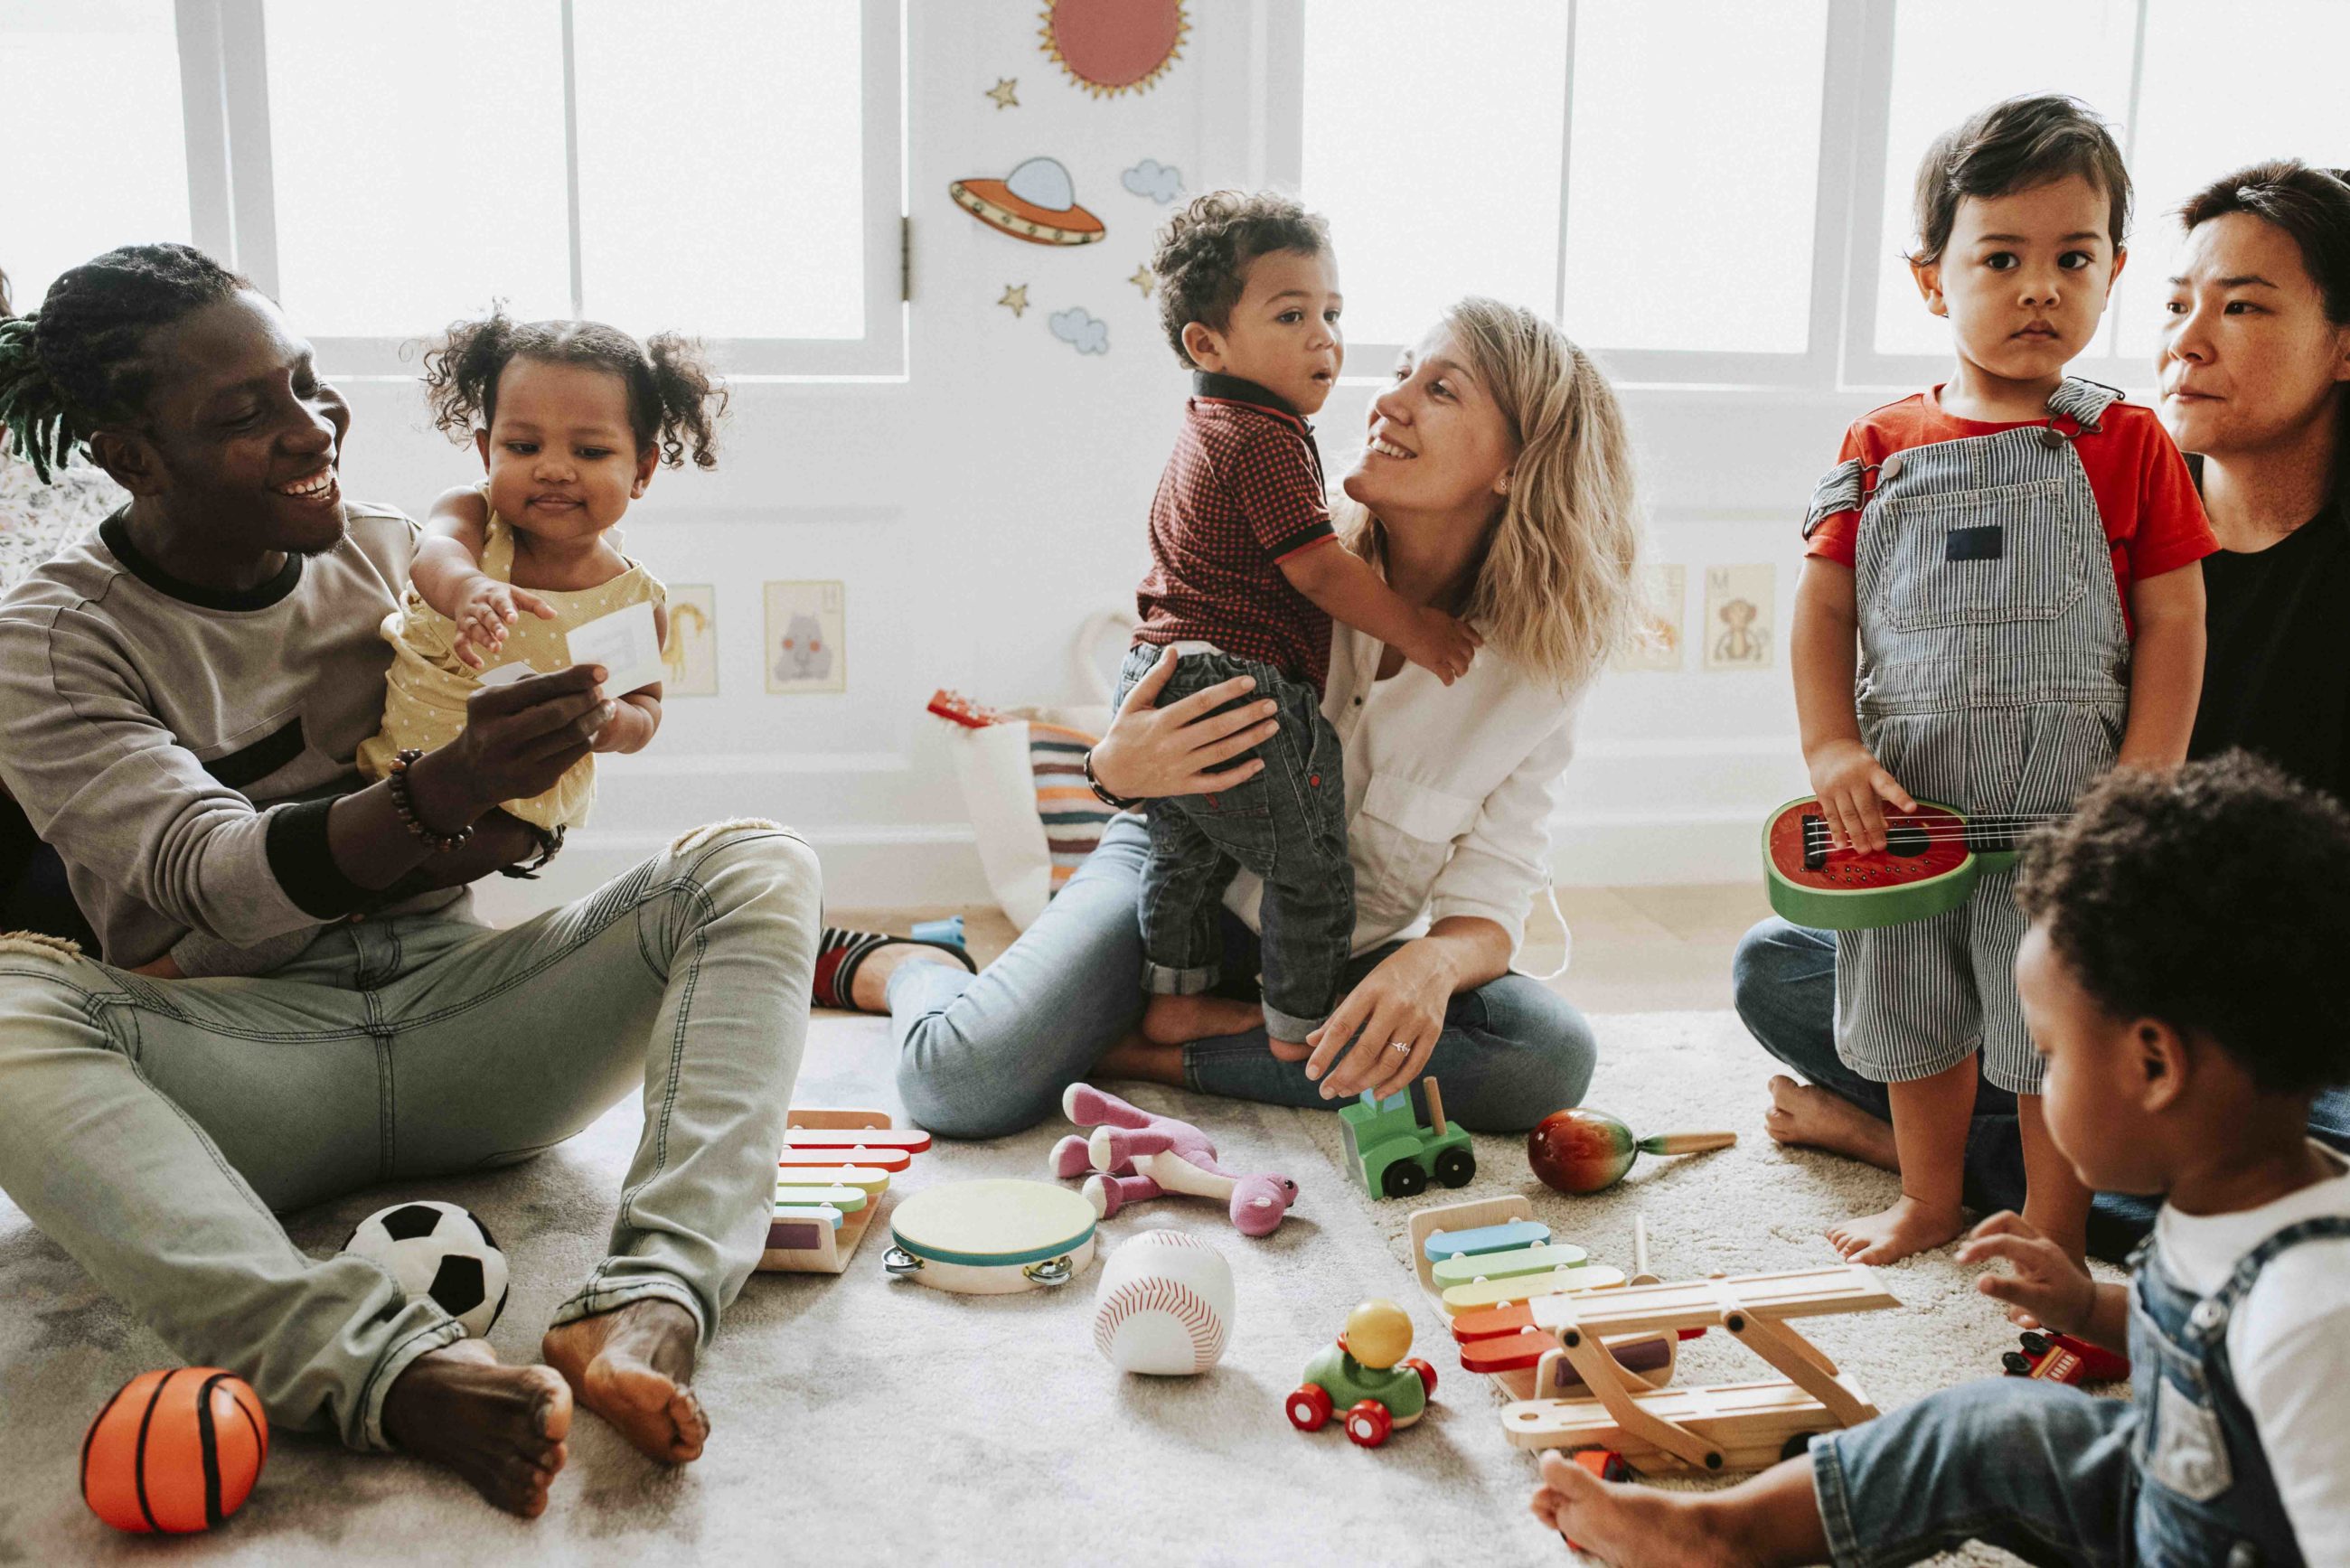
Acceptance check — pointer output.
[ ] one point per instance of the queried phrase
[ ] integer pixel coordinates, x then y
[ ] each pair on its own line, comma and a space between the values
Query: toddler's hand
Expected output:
1444, 646
1854, 791
486, 609
2044, 1289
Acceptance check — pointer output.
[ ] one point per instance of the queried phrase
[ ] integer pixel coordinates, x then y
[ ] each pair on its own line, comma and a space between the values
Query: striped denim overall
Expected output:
1994, 678
2207, 1497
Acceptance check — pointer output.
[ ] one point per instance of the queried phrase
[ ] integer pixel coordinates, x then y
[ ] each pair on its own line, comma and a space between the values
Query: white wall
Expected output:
978, 510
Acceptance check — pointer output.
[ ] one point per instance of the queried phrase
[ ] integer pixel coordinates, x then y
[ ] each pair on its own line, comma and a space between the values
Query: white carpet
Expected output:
858, 1420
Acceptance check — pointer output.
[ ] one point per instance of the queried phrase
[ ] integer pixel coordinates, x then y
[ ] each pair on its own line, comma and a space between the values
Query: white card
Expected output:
626, 643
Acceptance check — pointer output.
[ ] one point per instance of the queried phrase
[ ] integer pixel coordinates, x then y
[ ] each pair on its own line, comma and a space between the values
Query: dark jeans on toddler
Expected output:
1288, 825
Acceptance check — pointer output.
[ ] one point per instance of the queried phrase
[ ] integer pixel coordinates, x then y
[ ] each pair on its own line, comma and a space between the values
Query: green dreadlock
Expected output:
74, 366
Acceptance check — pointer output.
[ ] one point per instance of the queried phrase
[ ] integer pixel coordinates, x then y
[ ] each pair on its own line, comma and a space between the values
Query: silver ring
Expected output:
1402, 1045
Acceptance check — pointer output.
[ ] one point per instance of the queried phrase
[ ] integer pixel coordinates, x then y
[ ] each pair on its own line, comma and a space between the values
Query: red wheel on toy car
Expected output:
1369, 1423
1309, 1408
1427, 1374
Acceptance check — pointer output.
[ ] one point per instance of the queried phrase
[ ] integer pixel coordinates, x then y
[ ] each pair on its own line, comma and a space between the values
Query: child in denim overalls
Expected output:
1990, 542
1245, 578
2191, 1000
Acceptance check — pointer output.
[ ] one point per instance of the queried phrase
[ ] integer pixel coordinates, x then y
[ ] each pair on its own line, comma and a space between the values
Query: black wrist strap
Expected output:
1116, 802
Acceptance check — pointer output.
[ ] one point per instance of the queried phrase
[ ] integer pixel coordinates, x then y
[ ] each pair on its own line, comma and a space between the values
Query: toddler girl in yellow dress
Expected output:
571, 419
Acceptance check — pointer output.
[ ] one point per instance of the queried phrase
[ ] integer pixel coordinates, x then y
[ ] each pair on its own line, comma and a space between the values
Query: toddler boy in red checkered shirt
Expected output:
1246, 575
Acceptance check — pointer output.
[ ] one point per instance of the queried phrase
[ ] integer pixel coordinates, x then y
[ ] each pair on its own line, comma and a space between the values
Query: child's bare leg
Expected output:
1180, 1019
1138, 1060
1930, 1134
2055, 1202
1775, 1518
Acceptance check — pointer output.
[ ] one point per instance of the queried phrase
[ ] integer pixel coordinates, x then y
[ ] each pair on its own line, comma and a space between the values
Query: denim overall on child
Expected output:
1994, 679
2175, 1478
1288, 824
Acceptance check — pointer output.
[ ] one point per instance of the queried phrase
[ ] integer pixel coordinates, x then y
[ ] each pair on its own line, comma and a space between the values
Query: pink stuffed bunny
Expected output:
1134, 1155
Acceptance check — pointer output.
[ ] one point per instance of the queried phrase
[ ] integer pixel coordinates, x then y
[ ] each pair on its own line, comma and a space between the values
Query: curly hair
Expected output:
674, 402
1201, 256
2017, 144
77, 364
2215, 898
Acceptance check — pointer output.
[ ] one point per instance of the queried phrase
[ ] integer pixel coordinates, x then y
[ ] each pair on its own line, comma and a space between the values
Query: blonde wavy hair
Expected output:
1556, 592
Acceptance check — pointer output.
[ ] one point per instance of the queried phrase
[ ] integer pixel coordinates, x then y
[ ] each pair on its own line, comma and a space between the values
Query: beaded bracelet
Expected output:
401, 803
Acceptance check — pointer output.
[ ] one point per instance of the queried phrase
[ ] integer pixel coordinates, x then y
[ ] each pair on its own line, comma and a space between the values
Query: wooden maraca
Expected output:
1583, 1151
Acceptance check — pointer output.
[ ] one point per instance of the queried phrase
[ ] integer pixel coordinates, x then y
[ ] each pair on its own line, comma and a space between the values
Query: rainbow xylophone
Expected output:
829, 1179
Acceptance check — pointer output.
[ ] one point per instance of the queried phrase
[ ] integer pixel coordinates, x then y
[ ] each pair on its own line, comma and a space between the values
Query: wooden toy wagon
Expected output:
1719, 1426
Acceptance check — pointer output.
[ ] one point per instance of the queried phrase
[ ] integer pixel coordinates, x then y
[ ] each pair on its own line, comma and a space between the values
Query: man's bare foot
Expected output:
634, 1366
868, 990
1909, 1226
1626, 1524
1180, 1019
1813, 1118
500, 1427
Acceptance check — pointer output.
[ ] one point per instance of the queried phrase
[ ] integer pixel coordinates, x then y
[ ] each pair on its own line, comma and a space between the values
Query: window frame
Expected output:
1850, 191
232, 201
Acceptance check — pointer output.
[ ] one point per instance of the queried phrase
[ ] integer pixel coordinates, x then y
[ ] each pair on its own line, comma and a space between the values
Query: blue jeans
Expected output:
987, 1055
2039, 1469
1288, 824
1783, 982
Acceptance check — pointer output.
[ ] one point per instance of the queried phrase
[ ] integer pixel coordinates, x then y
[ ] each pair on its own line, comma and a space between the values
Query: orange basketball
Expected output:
174, 1451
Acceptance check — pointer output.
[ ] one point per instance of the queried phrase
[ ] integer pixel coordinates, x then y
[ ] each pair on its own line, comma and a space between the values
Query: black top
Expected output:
2276, 665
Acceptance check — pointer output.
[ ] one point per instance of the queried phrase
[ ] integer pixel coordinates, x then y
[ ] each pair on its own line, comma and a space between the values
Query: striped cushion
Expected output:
1073, 815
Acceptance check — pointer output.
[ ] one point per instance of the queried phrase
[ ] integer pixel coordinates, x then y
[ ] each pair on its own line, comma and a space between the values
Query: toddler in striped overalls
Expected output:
2014, 553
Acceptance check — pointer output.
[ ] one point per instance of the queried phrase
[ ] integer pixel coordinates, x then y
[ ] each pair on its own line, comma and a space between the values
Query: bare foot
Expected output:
1180, 1019
1909, 1226
869, 991
634, 1366
1289, 1050
1814, 1118
500, 1427
1627, 1524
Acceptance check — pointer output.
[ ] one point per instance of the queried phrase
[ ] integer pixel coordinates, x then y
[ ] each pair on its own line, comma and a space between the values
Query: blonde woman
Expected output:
1495, 483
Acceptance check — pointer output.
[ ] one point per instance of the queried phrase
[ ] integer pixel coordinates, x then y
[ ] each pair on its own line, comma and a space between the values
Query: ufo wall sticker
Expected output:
1036, 203
1110, 46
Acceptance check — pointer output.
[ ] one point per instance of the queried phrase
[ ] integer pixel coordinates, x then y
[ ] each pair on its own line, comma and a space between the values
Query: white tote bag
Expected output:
1023, 777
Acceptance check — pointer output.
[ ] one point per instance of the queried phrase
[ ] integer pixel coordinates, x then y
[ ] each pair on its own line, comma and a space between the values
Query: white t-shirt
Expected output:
2288, 1342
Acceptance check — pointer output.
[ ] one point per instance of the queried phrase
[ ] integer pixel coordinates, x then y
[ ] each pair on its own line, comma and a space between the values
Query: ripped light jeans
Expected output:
154, 1128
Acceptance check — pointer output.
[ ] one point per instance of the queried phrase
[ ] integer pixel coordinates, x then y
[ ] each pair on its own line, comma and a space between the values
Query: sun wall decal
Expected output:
1110, 46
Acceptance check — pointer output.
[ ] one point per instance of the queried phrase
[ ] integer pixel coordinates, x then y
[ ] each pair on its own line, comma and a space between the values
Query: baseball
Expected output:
1164, 1305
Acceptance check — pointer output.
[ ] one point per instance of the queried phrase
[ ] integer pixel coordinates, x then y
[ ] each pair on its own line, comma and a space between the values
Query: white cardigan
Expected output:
1449, 791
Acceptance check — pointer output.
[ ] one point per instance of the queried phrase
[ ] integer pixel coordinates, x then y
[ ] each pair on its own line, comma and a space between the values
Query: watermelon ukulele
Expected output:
1929, 863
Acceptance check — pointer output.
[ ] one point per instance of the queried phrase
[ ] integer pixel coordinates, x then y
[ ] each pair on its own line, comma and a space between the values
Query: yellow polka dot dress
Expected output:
424, 704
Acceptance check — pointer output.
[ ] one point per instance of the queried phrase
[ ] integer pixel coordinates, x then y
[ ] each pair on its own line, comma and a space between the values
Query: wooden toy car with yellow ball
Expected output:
1393, 1156
1366, 1375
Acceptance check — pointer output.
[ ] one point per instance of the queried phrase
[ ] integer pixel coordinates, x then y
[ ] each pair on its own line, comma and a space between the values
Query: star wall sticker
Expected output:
1015, 298
1005, 92
1144, 280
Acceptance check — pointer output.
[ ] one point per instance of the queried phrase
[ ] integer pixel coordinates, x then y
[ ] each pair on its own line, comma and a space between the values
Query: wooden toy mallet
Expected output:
1583, 1151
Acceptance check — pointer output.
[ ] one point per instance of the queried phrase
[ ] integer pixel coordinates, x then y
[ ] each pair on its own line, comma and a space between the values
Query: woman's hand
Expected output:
518, 739
1152, 752
1402, 1002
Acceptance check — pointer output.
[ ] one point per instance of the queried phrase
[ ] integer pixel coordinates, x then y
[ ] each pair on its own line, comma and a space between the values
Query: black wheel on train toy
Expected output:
1403, 1180
1456, 1166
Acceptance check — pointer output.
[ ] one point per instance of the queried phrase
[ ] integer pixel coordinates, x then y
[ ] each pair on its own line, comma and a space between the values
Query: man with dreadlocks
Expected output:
180, 696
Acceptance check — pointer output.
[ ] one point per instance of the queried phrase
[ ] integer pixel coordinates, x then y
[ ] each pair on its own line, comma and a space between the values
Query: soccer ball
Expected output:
437, 1249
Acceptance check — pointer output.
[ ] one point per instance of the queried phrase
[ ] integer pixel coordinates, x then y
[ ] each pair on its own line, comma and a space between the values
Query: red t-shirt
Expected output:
2154, 518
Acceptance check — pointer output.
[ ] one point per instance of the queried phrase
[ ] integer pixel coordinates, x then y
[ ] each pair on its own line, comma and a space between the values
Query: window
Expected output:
1719, 191
1570, 156
75, 183
729, 169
